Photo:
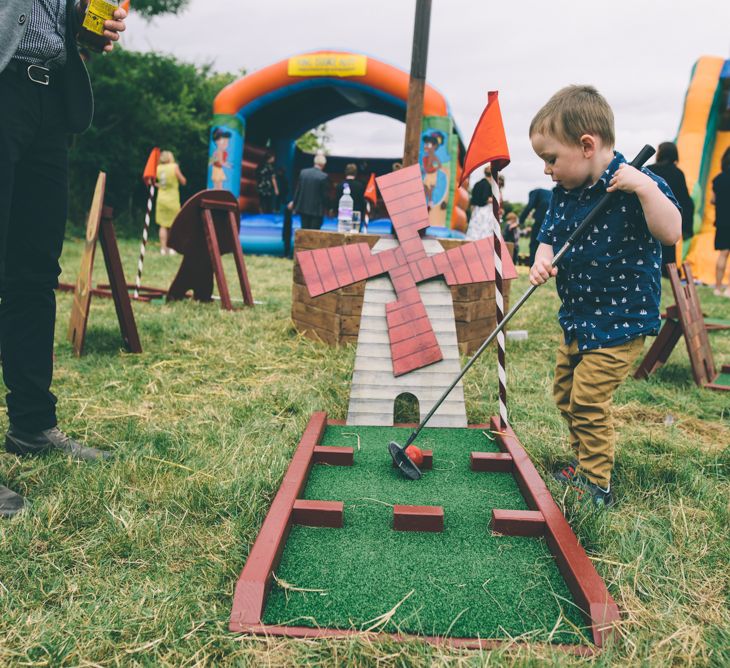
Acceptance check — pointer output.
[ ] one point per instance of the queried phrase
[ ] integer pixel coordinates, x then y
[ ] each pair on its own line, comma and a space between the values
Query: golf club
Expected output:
398, 453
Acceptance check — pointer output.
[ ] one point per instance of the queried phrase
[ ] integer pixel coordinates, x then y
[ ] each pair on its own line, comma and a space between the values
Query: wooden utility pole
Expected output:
417, 83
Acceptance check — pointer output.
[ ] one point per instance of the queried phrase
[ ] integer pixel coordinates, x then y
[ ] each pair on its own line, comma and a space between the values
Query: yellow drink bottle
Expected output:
91, 33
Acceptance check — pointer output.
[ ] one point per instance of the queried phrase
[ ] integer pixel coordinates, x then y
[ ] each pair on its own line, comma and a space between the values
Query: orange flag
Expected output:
150, 169
370, 192
488, 143
125, 6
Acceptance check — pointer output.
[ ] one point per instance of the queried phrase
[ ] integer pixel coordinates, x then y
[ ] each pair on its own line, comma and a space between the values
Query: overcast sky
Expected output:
638, 53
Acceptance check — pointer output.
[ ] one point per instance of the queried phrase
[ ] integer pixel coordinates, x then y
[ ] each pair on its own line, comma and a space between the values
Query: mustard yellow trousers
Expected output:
583, 390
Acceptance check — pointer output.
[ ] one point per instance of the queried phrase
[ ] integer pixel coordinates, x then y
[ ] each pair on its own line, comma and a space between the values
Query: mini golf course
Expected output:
492, 567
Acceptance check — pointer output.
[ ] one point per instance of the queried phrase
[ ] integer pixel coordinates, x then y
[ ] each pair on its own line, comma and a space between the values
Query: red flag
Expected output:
370, 192
488, 143
150, 169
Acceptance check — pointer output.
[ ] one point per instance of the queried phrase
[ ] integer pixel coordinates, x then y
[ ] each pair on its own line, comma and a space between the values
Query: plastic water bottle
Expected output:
344, 211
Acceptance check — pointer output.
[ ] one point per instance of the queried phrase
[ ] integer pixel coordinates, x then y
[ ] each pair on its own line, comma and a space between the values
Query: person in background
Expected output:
665, 166
266, 183
45, 96
511, 233
538, 202
169, 178
357, 189
283, 185
721, 198
310, 194
481, 193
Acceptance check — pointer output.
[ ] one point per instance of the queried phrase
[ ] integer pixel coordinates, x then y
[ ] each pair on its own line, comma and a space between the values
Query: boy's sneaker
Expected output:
565, 474
600, 497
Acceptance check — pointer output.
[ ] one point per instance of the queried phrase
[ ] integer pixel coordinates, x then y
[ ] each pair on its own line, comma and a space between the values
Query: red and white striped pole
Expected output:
150, 177
499, 300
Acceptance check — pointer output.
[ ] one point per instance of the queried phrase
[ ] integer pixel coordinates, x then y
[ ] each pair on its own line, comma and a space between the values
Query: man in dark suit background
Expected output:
538, 202
310, 195
45, 96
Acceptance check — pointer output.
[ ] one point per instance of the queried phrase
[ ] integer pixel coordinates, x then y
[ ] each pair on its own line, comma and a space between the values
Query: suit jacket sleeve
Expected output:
531, 203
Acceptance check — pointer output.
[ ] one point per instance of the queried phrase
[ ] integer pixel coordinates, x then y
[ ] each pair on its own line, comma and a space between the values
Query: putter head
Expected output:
403, 462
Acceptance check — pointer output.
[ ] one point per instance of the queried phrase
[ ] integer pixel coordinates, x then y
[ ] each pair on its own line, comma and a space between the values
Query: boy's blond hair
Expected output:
166, 157
575, 111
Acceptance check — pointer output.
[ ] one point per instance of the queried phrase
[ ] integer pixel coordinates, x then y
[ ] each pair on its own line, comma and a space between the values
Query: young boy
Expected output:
609, 282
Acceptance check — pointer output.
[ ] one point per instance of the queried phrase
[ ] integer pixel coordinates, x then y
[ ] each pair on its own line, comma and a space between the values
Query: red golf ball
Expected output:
415, 454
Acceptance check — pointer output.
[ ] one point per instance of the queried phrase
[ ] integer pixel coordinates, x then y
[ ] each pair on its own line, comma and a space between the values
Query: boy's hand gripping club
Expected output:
401, 459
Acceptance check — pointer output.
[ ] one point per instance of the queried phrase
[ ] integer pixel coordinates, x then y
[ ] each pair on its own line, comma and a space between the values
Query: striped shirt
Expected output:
44, 42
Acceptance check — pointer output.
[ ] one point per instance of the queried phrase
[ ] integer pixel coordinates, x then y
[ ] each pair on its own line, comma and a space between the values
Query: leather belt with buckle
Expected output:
39, 74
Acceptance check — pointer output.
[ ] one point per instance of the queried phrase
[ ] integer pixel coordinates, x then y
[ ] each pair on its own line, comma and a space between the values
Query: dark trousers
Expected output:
33, 203
311, 222
266, 203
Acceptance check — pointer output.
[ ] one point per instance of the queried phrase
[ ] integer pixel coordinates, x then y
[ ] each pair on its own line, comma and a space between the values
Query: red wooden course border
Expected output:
588, 589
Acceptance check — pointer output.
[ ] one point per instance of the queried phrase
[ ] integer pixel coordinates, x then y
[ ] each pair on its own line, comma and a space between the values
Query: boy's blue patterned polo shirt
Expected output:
609, 282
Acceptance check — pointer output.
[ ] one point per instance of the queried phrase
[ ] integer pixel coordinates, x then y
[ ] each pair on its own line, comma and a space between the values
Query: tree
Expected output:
142, 100
314, 140
156, 7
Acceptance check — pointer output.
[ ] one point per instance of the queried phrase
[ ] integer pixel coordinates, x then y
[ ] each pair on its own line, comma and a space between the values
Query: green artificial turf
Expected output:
722, 379
464, 582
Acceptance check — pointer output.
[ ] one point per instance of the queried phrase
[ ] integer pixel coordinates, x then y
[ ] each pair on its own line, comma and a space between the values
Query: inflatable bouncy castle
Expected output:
272, 107
704, 135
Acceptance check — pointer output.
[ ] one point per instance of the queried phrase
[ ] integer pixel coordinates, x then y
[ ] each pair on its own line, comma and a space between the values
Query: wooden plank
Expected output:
477, 310
334, 455
309, 513
311, 315
234, 220
326, 302
491, 462
418, 518
255, 579
118, 284
588, 589
349, 325
309, 632
528, 523
82, 294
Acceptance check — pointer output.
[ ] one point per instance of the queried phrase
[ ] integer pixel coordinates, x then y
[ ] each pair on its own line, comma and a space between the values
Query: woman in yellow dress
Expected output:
169, 178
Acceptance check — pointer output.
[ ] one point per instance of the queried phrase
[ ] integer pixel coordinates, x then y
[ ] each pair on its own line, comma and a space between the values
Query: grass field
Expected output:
134, 563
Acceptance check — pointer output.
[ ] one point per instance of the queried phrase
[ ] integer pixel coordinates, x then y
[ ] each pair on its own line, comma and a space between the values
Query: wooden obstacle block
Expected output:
530, 523
418, 518
491, 462
427, 461
333, 455
205, 229
99, 226
318, 513
689, 323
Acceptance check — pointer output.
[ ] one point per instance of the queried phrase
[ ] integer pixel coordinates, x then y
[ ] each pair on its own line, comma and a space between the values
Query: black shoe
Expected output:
23, 443
565, 474
600, 497
10, 502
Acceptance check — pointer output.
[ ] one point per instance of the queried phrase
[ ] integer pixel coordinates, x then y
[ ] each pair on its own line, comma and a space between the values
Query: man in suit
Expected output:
310, 195
46, 96
538, 202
